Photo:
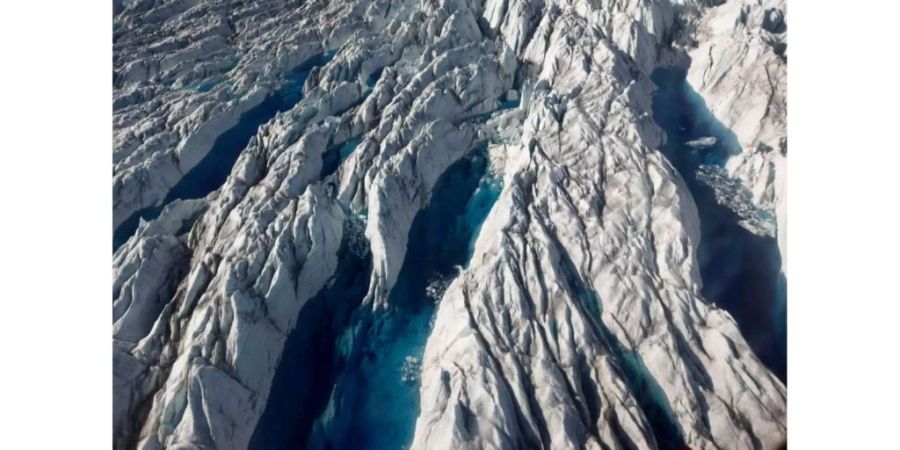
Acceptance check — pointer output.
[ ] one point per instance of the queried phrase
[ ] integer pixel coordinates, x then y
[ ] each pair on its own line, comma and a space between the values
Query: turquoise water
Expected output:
333, 157
129, 226
683, 114
374, 77
503, 106
741, 271
212, 171
510, 104
376, 398
487, 193
309, 364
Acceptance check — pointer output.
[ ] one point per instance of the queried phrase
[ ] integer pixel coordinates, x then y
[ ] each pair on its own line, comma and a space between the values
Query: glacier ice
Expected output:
450, 224
738, 254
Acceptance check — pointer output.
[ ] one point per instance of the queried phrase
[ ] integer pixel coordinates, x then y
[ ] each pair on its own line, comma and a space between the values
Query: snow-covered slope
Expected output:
551, 299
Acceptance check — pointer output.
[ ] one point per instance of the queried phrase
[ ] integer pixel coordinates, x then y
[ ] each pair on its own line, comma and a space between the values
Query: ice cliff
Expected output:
436, 224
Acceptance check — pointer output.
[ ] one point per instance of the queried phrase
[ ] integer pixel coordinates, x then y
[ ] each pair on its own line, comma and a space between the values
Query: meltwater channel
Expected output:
358, 387
741, 271
212, 171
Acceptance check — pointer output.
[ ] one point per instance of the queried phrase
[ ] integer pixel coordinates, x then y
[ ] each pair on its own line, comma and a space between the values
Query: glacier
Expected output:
449, 224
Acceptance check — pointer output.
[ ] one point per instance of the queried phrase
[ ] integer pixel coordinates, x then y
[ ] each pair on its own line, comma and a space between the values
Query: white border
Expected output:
55, 145
843, 311
844, 318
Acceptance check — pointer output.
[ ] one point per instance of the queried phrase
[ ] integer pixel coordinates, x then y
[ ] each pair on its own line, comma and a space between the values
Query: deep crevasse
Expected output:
375, 401
741, 270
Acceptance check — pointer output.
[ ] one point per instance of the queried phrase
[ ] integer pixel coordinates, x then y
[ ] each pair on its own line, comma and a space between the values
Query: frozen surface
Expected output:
740, 268
212, 171
457, 224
